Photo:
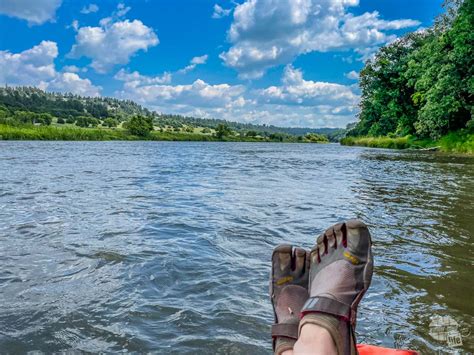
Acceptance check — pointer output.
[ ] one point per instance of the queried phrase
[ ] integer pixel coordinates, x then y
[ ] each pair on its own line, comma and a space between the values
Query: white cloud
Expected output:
266, 33
36, 12
74, 25
197, 95
353, 75
91, 8
297, 91
136, 79
35, 66
296, 102
193, 63
220, 12
112, 44
71, 82
122, 10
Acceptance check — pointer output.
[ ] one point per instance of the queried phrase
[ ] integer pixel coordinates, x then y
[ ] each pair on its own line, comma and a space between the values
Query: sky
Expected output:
291, 63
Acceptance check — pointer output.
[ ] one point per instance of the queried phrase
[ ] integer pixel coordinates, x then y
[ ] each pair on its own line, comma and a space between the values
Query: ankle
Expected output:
315, 339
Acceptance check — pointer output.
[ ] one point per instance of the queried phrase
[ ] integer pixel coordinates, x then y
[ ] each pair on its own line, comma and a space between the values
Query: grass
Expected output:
378, 142
460, 141
31, 132
73, 133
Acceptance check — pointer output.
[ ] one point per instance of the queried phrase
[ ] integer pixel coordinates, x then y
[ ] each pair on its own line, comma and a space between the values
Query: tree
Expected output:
422, 83
110, 122
222, 130
140, 126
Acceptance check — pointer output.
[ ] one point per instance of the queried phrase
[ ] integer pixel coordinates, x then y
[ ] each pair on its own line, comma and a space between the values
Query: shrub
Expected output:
140, 126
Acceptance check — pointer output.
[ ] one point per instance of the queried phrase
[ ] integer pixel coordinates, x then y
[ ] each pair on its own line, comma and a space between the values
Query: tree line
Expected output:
422, 84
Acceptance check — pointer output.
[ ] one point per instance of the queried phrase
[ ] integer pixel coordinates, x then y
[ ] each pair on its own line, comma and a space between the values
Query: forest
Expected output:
421, 86
33, 106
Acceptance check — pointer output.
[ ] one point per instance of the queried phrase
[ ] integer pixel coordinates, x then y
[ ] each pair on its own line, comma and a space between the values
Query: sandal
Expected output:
288, 293
340, 273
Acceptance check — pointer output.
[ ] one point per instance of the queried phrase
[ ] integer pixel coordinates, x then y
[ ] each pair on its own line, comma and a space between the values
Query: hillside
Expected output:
73, 108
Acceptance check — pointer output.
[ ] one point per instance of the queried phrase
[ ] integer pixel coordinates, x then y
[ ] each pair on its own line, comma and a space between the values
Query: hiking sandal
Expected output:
288, 293
341, 266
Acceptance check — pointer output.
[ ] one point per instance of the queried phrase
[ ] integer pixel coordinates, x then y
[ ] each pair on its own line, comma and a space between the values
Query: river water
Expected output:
164, 247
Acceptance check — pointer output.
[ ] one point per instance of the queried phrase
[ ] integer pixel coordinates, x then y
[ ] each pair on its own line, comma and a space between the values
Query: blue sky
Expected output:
285, 62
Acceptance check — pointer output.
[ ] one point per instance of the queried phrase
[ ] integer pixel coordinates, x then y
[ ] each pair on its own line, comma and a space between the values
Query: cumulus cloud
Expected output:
71, 82
353, 75
266, 33
197, 95
36, 12
114, 41
297, 91
108, 46
91, 8
193, 63
35, 66
135, 79
220, 12
296, 102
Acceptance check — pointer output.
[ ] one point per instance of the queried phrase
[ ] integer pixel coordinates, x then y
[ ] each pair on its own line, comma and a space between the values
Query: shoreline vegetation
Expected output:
417, 92
455, 142
28, 113
72, 133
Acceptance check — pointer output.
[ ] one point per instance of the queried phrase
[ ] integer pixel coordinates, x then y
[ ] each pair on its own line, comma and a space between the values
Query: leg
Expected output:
314, 340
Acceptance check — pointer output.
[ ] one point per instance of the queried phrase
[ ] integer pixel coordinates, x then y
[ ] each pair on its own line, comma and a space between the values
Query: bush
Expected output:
222, 130
140, 126
110, 122
61, 121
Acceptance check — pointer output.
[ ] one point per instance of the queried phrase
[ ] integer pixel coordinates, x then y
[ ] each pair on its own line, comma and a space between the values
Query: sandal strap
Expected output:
285, 330
329, 306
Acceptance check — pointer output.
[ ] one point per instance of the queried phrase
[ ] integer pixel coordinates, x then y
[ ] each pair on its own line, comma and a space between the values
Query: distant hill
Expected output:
67, 105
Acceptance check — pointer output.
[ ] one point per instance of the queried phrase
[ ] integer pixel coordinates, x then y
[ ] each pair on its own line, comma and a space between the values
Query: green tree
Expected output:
140, 126
423, 83
222, 130
110, 122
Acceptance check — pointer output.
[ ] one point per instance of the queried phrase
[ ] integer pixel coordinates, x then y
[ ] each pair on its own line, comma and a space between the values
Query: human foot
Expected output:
340, 273
288, 293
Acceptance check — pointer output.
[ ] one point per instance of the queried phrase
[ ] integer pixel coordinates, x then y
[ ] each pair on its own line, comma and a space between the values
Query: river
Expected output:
165, 246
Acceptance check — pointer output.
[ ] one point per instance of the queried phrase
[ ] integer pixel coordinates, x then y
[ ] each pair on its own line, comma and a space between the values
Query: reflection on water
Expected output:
148, 246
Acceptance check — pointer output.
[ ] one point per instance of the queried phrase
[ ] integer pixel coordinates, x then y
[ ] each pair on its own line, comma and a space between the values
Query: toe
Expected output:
358, 237
338, 234
281, 258
300, 261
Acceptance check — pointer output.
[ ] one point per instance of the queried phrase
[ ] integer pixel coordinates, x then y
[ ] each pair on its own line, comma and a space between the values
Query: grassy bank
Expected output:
455, 142
72, 133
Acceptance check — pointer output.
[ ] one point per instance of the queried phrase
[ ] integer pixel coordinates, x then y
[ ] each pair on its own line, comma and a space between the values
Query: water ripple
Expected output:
165, 247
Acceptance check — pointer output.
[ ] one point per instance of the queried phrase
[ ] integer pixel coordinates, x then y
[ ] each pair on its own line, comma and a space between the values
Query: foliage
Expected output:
378, 142
316, 138
70, 107
140, 126
422, 84
110, 122
461, 141
222, 130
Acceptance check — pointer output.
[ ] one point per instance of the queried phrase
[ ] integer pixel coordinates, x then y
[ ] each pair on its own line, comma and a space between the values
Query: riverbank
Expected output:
455, 142
72, 133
